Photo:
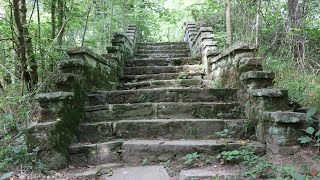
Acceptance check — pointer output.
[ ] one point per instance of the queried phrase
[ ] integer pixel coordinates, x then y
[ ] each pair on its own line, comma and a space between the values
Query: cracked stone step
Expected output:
162, 95
164, 51
165, 110
172, 129
138, 70
162, 76
137, 151
167, 55
173, 83
163, 61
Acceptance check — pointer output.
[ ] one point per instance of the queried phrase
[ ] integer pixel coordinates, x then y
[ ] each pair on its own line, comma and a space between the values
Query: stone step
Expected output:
167, 55
161, 43
173, 83
162, 95
163, 69
162, 47
177, 128
164, 61
86, 154
162, 110
162, 76
136, 151
160, 129
163, 51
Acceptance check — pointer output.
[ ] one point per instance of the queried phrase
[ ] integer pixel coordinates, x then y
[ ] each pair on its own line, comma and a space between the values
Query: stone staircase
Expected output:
163, 111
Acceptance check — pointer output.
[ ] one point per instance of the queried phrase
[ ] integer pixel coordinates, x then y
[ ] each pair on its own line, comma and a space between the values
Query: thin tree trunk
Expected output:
228, 23
104, 24
295, 22
53, 19
257, 24
60, 21
53, 29
86, 25
111, 16
39, 41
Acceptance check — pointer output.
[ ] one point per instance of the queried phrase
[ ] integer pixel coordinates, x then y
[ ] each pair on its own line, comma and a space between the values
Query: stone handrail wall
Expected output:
201, 42
61, 109
265, 106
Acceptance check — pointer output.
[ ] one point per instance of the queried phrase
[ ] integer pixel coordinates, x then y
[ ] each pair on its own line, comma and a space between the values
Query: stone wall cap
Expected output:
87, 51
206, 29
54, 96
284, 117
257, 75
239, 46
268, 92
42, 127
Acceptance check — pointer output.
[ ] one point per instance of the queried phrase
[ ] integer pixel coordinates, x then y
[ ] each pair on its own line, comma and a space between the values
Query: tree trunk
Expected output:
86, 25
60, 21
32, 64
110, 27
21, 49
53, 19
296, 22
228, 23
257, 24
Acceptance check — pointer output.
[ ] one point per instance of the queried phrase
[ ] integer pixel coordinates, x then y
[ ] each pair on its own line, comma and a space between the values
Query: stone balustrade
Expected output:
61, 108
265, 106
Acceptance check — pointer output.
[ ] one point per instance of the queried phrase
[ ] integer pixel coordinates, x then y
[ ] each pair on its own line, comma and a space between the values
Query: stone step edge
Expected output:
150, 75
121, 150
167, 58
76, 146
113, 123
166, 89
107, 106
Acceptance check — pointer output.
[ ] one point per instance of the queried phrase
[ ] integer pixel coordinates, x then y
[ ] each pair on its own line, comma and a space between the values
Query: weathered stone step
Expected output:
177, 128
160, 129
165, 110
164, 51
161, 43
162, 76
163, 69
167, 55
86, 154
162, 47
164, 61
162, 95
136, 151
174, 83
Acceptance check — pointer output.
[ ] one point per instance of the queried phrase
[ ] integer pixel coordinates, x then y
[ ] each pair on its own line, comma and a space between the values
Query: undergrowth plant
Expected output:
312, 135
15, 115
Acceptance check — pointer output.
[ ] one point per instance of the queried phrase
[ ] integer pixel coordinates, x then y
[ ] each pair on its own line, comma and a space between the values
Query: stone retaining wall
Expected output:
61, 108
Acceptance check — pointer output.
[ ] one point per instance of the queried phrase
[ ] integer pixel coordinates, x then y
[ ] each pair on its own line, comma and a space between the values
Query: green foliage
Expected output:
216, 84
183, 76
244, 154
191, 158
312, 136
225, 133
